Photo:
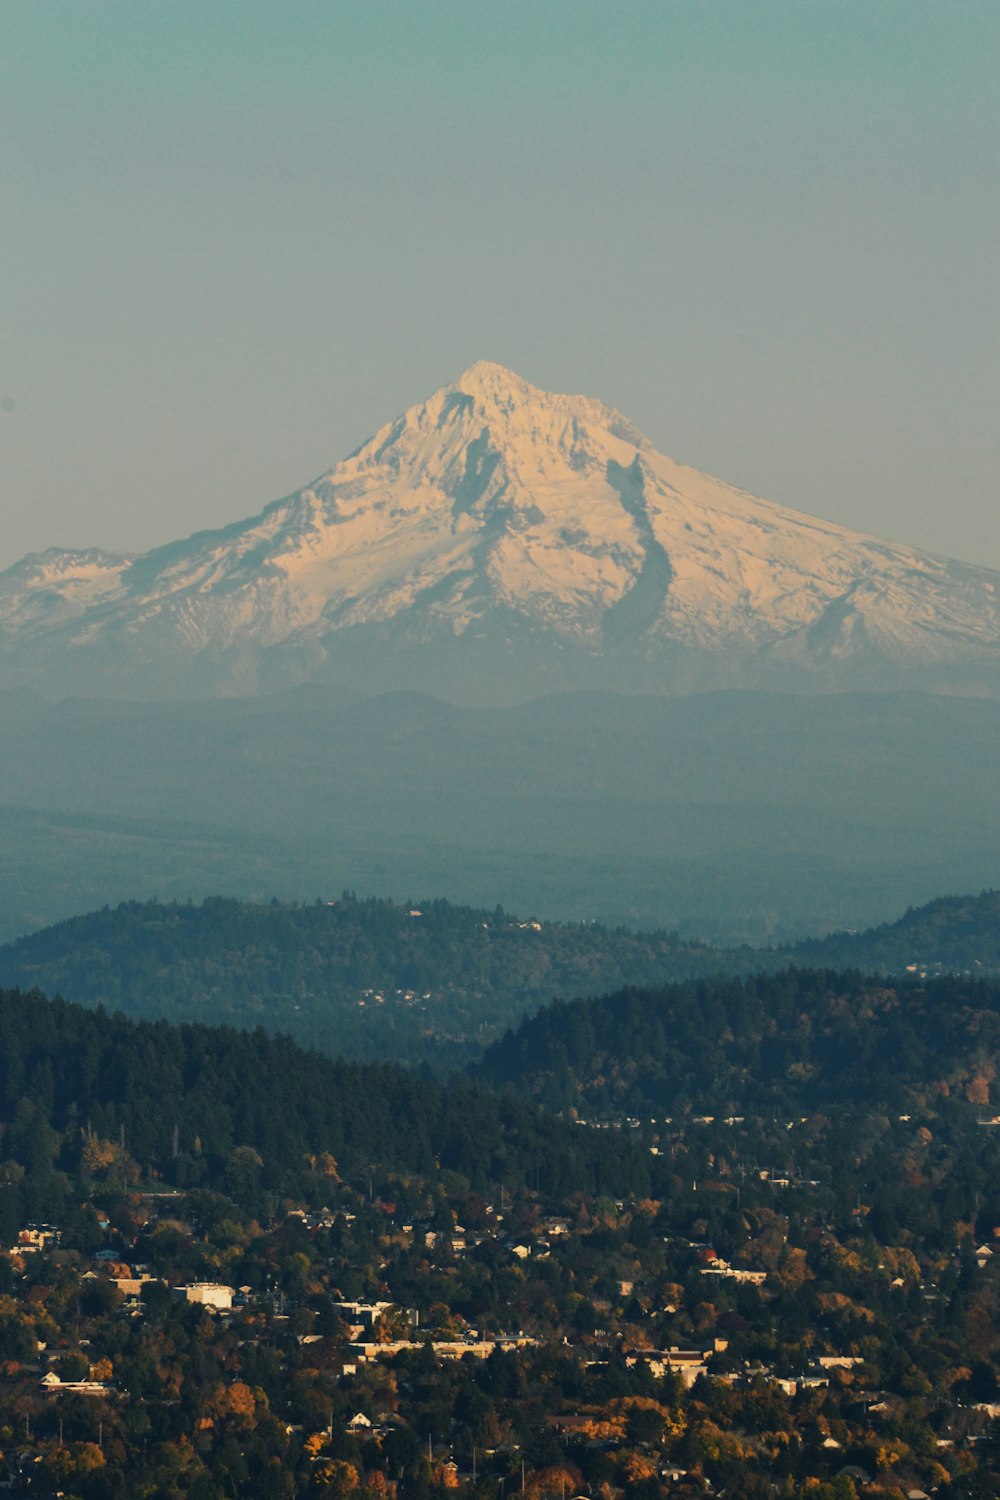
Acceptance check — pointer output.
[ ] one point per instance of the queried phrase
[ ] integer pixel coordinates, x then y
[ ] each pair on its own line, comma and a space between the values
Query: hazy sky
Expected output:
238, 237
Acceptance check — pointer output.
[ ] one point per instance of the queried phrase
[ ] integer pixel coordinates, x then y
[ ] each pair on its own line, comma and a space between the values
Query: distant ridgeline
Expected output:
953, 934
367, 979
785, 1044
432, 982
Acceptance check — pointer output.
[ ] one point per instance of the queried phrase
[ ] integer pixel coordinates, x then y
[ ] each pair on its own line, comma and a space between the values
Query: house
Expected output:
207, 1293
443, 1348
363, 1314
688, 1364
38, 1237
733, 1273
51, 1384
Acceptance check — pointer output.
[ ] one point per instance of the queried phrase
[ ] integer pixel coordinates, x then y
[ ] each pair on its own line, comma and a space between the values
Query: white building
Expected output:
208, 1293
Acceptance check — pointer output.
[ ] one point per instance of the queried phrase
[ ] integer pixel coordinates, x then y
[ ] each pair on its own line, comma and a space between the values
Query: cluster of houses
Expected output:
378, 1330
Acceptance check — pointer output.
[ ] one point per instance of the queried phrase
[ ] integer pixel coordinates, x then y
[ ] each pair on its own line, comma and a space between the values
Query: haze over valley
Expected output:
734, 816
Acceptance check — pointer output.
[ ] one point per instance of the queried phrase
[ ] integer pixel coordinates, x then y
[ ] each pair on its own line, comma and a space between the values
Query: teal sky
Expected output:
237, 237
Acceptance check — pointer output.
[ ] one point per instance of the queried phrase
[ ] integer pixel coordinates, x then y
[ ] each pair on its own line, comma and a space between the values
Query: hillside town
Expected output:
422, 1338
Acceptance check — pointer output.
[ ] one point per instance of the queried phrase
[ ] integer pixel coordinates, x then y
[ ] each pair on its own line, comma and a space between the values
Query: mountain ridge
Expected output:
502, 540
433, 982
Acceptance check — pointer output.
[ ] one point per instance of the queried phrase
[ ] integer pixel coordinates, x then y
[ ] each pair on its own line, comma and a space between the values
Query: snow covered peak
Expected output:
532, 528
510, 399
491, 431
488, 381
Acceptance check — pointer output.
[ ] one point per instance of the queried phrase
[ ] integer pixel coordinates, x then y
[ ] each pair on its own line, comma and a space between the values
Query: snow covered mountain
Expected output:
493, 541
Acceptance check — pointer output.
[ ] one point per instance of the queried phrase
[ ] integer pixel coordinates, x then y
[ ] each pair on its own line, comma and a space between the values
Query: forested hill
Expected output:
367, 979
952, 934
426, 982
249, 1114
789, 1043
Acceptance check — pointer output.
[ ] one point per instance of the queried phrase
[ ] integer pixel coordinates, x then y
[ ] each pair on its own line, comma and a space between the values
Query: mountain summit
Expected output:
495, 540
